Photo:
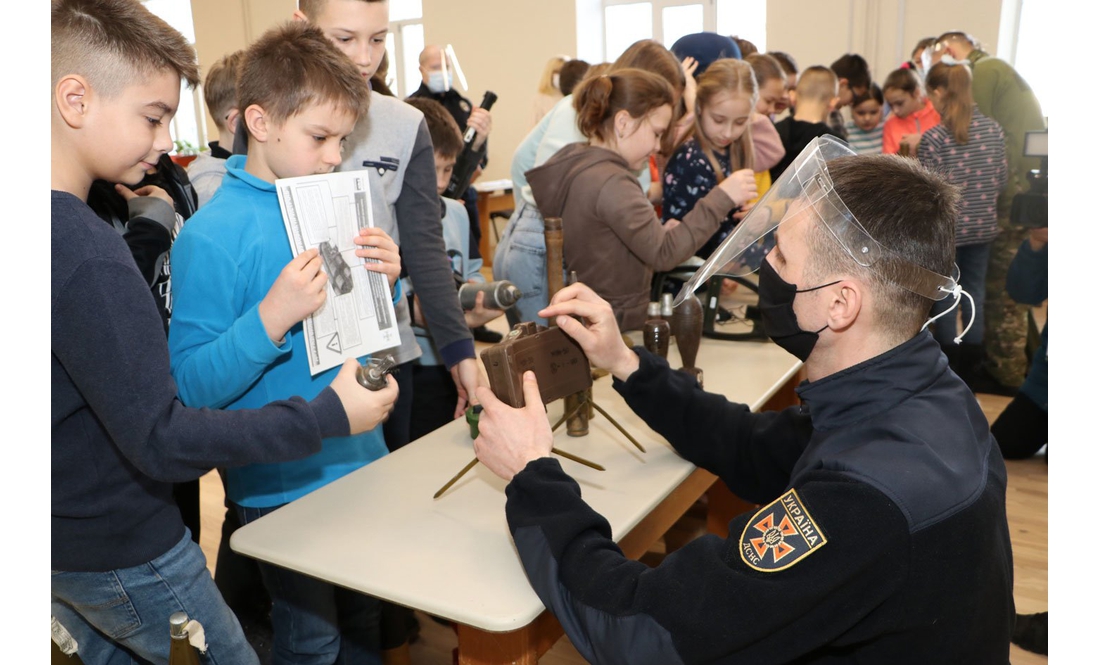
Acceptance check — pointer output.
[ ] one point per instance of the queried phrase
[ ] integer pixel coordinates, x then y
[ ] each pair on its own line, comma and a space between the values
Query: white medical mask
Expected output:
438, 82
949, 59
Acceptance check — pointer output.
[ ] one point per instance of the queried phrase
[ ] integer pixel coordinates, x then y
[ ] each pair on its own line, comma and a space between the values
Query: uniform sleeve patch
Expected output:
780, 535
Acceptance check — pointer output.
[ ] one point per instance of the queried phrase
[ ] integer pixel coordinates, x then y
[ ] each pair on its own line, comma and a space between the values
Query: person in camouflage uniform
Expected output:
1002, 94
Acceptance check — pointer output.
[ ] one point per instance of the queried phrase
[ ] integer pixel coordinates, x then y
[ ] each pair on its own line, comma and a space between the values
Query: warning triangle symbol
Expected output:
334, 343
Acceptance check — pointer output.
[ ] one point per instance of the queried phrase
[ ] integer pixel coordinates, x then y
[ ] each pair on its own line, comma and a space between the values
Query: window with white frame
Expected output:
189, 124
403, 46
1031, 53
627, 21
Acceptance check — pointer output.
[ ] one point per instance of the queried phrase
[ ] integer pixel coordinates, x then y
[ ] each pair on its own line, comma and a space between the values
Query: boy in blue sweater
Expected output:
236, 338
121, 559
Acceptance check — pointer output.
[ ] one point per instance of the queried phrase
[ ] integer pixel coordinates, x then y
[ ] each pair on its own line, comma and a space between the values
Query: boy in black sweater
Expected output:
815, 96
121, 558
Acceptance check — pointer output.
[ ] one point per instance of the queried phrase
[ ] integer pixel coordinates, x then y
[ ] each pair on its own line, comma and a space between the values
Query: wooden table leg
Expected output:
484, 221
523, 647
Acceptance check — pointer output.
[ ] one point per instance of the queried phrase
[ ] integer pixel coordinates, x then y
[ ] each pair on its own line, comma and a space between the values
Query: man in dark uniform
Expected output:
882, 535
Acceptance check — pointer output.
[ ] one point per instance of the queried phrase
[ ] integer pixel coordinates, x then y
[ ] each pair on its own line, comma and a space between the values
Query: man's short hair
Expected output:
853, 67
294, 65
219, 90
446, 136
817, 83
907, 209
115, 43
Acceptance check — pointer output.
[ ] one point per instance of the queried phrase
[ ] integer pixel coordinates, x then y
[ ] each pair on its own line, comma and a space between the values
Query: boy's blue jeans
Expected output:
314, 622
121, 616
973, 262
520, 258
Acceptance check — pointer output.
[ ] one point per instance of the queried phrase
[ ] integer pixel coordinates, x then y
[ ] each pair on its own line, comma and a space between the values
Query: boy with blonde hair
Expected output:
815, 96
219, 91
393, 144
121, 559
236, 337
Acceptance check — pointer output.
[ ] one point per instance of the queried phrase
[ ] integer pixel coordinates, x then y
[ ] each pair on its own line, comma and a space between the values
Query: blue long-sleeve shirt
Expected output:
223, 264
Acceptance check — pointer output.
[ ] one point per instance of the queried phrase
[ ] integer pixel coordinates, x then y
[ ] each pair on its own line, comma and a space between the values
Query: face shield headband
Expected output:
805, 189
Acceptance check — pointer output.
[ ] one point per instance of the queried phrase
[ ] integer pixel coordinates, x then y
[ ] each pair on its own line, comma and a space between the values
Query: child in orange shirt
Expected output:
911, 113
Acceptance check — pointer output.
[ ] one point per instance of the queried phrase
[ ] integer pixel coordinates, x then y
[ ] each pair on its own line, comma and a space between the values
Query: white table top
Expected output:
379, 531
502, 185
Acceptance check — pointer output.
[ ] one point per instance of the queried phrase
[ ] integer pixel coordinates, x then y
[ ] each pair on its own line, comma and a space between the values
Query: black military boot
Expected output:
1031, 632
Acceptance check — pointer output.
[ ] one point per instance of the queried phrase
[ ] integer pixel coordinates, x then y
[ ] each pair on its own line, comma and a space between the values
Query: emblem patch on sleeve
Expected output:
780, 535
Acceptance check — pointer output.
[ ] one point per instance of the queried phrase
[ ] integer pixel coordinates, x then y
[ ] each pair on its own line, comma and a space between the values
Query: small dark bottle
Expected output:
656, 331
181, 651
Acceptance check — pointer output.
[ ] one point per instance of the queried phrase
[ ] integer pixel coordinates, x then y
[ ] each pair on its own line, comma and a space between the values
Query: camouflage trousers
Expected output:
1005, 319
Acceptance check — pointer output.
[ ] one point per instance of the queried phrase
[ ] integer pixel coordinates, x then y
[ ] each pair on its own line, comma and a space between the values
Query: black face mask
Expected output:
777, 313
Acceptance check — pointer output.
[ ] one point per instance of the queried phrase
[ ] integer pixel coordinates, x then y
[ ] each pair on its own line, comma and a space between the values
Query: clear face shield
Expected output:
805, 189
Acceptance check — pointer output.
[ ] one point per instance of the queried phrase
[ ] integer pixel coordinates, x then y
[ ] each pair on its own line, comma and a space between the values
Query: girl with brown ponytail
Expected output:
613, 238
968, 148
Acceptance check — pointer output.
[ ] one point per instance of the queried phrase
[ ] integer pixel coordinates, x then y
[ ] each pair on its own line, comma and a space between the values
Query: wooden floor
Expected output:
1027, 517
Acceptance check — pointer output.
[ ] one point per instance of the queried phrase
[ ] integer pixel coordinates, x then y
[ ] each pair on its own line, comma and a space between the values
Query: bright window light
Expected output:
746, 19
626, 24
679, 21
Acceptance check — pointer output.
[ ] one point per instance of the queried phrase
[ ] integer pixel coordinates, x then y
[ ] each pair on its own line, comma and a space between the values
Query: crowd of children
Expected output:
648, 160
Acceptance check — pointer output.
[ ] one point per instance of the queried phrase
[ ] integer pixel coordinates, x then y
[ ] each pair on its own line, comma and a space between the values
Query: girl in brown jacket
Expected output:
613, 238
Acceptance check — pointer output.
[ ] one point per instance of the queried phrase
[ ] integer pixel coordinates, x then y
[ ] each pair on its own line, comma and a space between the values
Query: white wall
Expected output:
817, 32
504, 44
224, 26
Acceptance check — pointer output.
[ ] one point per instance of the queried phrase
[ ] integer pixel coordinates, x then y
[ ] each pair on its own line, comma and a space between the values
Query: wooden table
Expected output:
492, 196
379, 531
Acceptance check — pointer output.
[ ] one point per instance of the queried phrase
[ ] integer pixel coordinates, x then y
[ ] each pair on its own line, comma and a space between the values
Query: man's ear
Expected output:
72, 96
842, 83
299, 16
833, 103
846, 305
256, 121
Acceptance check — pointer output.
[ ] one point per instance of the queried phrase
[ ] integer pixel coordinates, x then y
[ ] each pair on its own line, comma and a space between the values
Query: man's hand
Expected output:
510, 438
366, 409
480, 314
599, 337
298, 291
482, 122
377, 244
147, 190
467, 377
